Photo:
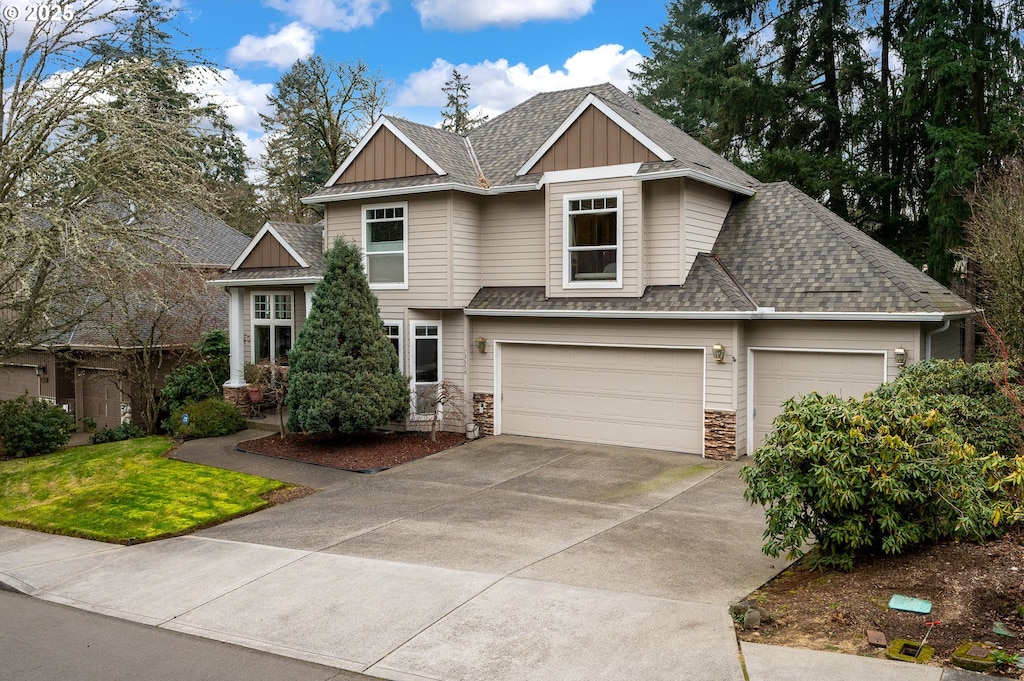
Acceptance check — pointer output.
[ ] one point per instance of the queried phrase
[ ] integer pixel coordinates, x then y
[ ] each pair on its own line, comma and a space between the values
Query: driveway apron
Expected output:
505, 558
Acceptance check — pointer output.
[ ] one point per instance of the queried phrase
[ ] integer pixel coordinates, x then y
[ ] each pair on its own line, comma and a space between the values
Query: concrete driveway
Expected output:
505, 558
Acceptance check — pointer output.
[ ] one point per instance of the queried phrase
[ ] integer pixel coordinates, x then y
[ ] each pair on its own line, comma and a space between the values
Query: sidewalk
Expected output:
504, 559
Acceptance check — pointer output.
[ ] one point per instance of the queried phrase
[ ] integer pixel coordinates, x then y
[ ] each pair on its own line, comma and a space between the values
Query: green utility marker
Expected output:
918, 605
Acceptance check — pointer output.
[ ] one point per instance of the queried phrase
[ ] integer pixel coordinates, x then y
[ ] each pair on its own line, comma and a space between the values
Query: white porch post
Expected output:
236, 338
309, 288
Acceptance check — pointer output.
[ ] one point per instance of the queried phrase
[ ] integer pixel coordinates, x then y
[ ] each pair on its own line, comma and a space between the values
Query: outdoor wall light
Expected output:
718, 350
901, 356
481, 343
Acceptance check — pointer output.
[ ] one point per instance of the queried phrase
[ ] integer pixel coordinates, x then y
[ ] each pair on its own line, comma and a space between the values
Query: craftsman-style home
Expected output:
586, 271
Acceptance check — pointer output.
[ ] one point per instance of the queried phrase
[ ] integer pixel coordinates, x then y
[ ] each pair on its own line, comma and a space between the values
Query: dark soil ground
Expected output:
363, 452
970, 586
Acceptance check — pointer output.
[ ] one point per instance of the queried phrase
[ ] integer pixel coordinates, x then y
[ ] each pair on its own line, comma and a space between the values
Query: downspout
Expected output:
928, 339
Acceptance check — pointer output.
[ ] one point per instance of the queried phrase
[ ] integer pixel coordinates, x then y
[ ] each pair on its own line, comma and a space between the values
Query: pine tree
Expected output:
344, 375
455, 116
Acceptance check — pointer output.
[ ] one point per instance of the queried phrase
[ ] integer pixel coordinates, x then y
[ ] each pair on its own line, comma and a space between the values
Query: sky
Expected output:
508, 49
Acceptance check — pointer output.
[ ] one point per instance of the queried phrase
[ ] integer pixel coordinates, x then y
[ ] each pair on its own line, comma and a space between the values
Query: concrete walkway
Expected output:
503, 559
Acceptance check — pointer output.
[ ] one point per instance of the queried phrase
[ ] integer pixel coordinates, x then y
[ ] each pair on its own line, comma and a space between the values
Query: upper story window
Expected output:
385, 244
273, 327
593, 240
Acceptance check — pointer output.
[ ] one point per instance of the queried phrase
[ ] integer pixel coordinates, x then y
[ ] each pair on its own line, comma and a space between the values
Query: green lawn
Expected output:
121, 491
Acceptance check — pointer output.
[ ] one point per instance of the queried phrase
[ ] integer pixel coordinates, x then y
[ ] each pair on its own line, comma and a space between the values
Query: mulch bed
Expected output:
361, 452
970, 586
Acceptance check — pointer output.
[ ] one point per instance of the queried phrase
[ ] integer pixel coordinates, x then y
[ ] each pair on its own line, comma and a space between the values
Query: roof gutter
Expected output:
289, 281
700, 176
423, 189
764, 314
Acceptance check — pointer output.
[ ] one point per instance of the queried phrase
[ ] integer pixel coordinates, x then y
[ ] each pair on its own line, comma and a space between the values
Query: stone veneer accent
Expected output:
720, 435
483, 412
238, 397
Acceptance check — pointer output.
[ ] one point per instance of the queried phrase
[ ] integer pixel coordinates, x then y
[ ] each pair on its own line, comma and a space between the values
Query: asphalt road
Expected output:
41, 640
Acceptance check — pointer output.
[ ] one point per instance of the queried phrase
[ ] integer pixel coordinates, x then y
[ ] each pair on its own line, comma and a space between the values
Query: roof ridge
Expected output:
842, 229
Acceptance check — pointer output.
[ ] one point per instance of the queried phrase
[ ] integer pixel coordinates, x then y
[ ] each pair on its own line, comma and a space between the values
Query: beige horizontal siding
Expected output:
662, 232
466, 240
945, 345
513, 247
705, 210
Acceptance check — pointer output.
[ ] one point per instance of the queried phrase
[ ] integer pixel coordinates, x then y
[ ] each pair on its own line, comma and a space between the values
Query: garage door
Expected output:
16, 381
779, 376
635, 397
101, 399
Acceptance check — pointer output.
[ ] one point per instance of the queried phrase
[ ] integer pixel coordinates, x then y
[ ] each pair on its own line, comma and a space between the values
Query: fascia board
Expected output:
735, 315
588, 101
423, 189
699, 176
383, 122
269, 281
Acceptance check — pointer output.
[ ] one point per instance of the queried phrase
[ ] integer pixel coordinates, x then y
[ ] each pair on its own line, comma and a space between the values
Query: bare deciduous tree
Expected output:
88, 155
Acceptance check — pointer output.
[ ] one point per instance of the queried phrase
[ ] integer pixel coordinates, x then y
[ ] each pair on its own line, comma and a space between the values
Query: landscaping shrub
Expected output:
871, 475
29, 427
125, 431
208, 418
967, 395
202, 380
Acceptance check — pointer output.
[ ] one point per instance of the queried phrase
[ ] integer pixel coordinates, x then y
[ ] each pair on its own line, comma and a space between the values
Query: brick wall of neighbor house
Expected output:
720, 434
483, 412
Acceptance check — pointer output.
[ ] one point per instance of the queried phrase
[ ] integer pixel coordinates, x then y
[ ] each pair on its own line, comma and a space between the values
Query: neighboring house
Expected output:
85, 369
586, 271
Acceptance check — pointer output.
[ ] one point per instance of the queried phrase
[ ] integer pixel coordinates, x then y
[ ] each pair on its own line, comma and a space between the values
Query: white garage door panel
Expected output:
639, 397
779, 376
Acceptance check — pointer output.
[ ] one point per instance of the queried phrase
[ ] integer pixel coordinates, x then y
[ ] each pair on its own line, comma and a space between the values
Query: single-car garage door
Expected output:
101, 397
634, 397
16, 381
780, 375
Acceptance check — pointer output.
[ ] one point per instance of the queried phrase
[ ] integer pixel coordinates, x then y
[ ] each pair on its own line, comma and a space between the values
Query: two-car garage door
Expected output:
636, 397
779, 375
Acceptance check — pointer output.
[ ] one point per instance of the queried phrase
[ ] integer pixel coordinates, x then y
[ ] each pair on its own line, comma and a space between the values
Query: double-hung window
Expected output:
426, 367
385, 245
273, 326
593, 240
393, 330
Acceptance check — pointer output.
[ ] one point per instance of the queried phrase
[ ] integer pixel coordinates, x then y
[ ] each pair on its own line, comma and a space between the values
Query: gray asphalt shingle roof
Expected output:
791, 253
504, 144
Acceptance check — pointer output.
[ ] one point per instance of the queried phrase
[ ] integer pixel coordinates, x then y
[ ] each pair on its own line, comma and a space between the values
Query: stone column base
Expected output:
238, 397
483, 412
720, 435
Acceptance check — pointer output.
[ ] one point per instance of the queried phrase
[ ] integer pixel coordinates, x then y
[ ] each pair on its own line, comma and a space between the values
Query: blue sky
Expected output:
509, 49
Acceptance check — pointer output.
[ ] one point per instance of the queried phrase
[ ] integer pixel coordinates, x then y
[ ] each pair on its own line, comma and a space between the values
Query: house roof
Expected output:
204, 240
304, 239
791, 253
491, 156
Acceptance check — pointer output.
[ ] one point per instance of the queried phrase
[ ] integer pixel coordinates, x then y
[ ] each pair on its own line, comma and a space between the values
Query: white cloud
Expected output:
338, 15
468, 15
280, 49
242, 100
498, 85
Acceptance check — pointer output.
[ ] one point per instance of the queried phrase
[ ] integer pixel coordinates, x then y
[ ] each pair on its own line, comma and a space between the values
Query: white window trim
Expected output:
253, 322
404, 205
413, 416
567, 282
398, 323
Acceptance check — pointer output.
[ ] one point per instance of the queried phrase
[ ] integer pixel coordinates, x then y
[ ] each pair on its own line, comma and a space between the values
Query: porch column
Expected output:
236, 338
309, 288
